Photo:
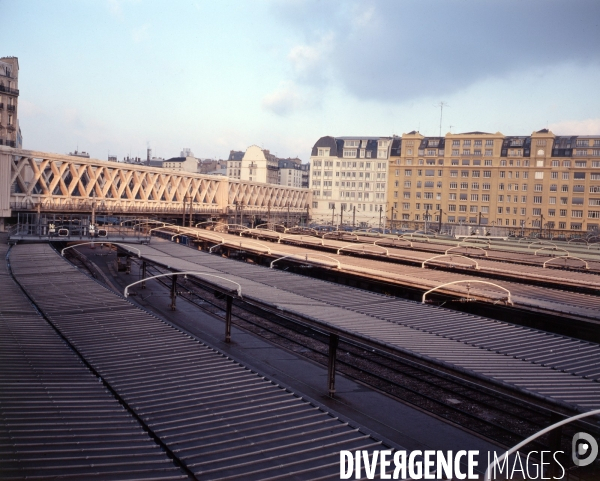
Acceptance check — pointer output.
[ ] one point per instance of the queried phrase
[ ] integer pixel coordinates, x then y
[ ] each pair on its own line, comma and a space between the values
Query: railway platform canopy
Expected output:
56, 418
556, 368
182, 409
459, 278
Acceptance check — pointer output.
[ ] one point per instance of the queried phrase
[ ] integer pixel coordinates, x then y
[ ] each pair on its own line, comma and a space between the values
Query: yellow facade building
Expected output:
519, 183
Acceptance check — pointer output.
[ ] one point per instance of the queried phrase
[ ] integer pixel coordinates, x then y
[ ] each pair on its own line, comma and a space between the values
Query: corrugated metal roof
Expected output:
551, 365
56, 419
523, 295
219, 418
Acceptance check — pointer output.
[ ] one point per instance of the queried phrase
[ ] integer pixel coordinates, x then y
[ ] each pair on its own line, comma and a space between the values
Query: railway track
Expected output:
502, 417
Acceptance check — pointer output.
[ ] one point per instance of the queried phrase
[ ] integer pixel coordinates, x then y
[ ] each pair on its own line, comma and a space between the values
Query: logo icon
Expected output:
584, 449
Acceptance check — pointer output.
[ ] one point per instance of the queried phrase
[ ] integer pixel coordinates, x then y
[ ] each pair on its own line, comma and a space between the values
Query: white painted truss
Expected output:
264, 196
60, 182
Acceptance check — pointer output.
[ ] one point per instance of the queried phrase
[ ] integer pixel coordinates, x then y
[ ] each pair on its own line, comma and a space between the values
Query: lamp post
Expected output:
441, 212
523, 222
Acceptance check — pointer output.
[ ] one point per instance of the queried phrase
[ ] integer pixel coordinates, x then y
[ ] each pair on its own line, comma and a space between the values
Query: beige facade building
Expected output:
259, 165
10, 132
181, 164
539, 181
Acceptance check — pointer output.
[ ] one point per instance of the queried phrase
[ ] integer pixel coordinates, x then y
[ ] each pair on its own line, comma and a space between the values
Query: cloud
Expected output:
283, 101
141, 33
388, 50
576, 127
309, 62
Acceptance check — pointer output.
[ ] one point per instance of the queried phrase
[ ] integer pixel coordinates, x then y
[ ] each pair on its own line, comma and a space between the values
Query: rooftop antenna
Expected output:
451, 128
442, 104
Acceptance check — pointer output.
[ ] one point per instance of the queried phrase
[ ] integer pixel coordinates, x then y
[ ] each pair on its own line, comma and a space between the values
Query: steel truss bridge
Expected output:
43, 182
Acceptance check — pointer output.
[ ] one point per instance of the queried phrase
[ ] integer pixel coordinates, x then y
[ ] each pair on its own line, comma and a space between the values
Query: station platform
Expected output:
555, 368
219, 419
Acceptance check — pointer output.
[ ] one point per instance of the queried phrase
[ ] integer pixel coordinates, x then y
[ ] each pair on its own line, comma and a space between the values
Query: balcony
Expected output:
8, 90
10, 127
11, 108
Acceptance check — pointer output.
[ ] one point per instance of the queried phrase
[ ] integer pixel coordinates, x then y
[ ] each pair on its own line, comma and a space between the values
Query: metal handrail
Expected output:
206, 222
387, 252
420, 236
509, 300
481, 241
551, 248
393, 240
300, 238
258, 244
339, 265
162, 227
577, 239
184, 273
199, 235
542, 243
150, 222
488, 473
568, 256
450, 255
466, 247
62, 252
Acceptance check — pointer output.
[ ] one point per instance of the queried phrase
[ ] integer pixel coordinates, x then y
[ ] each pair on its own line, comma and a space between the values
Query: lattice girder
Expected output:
52, 180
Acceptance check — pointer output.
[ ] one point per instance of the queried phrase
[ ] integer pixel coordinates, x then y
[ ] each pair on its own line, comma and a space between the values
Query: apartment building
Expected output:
349, 179
539, 181
10, 132
259, 165
290, 172
234, 164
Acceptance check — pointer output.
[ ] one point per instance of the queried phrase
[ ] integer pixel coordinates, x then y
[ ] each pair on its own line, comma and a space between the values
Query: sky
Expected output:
117, 76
